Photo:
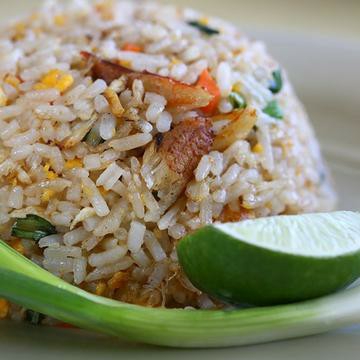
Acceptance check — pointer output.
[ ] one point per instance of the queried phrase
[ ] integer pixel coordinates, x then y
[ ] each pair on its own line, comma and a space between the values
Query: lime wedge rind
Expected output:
232, 262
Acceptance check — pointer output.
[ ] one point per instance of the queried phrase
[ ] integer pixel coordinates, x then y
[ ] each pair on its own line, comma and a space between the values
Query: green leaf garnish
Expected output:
276, 82
274, 110
237, 100
32, 227
204, 28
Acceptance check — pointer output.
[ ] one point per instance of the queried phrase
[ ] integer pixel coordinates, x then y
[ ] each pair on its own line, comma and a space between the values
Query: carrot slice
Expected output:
208, 83
132, 47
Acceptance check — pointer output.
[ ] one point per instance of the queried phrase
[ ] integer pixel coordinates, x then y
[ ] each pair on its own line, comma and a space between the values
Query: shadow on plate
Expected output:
50, 343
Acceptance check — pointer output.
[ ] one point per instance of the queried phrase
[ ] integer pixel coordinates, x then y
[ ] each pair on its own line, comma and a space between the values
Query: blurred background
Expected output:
340, 18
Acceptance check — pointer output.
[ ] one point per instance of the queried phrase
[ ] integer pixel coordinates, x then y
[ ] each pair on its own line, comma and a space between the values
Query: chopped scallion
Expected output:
274, 110
32, 227
204, 28
237, 100
93, 137
276, 82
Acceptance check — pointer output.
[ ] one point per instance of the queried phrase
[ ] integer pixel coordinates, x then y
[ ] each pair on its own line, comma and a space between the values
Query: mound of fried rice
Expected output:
128, 125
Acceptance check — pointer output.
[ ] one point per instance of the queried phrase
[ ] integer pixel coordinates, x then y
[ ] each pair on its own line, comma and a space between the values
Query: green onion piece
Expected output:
93, 137
237, 100
28, 285
32, 227
274, 110
276, 82
204, 28
34, 317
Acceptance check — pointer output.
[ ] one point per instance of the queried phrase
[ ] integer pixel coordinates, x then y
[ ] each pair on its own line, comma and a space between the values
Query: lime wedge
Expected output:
274, 260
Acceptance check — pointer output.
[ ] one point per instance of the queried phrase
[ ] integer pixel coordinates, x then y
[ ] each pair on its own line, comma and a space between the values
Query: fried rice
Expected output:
126, 126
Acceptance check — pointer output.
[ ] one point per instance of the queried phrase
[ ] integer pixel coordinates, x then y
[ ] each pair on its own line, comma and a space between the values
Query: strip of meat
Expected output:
168, 167
183, 147
179, 96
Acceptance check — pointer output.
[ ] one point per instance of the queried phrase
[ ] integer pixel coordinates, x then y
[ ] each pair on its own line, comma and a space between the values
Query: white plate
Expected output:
327, 77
